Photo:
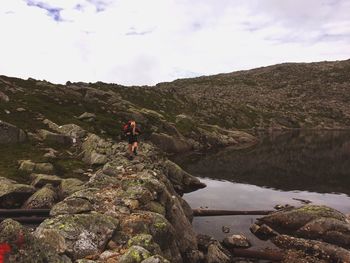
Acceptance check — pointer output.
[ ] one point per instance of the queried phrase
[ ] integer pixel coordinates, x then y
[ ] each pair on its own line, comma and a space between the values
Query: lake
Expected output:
309, 165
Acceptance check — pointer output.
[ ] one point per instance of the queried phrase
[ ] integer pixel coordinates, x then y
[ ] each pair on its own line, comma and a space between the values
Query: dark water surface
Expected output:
307, 165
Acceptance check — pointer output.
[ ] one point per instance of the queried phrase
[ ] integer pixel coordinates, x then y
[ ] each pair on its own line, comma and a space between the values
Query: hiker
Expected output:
132, 132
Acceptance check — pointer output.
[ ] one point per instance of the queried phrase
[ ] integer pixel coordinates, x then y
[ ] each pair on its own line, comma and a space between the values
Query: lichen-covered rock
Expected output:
216, 253
292, 220
55, 138
11, 134
39, 180
236, 241
25, 248
13, 195
26, 166
155, 259
170, 144
71, 130
182, 181
43, 198
78, 235
87, 116
135, 254
263, 231
69, 186
71, 205
29, 166
100, 180
145, 241
331, 230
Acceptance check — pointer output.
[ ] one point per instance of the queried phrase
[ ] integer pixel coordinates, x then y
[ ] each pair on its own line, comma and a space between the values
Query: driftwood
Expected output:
24, 212
322, 250
273, 255
209, 212
26, 219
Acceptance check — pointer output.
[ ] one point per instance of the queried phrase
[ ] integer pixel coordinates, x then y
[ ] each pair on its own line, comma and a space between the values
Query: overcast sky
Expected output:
143, 42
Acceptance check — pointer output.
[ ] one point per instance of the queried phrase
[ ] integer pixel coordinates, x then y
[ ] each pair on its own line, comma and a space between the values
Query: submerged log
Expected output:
209, 212
19, 212
26, 219
273, 255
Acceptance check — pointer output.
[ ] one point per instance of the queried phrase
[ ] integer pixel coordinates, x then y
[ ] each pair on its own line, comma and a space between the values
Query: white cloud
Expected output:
145, 42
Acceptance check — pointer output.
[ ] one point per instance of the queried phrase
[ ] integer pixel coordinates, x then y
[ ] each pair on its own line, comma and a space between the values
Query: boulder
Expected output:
170, 144
135, 254
236, 241
44, 198
29, 166
4, 97
155, 259
39, 180
71, 205
145, 241
55, 138
11, 134
86, 116
13, 195
78, 235
182, 181
69, 186
26, 166
25, 248
71, 130
291, 220
216, 253
97, 159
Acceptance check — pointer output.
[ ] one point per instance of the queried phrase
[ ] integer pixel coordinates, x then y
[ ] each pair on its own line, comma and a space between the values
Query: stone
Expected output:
21, 109
135, 254
155, 259
25, 248
4, 97
86, 116
71, 205
78, 235
39, 180
292, 220
145, 241
69, 186
46, 168
44, 198
170, 144
236, 241
11, 134
263, 232
12, 194
27, 166
55, 138
97, 159
216, 254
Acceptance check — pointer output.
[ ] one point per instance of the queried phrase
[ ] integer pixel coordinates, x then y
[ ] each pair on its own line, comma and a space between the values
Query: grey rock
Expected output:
39, 180
4, 97
170, 144
86, 116
44, 198
12, 194
155, 259
236, 241
50, 137
11, 134
135, 254
70, 186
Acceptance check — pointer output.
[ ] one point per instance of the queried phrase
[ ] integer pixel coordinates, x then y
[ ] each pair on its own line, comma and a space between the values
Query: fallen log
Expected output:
273, 255
19, 212
209, 212
26, 219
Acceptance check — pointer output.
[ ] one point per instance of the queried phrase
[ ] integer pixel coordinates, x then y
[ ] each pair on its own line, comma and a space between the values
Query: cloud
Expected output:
137, 42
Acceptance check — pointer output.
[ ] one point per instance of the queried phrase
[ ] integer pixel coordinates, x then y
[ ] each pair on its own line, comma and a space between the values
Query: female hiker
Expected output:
132, 132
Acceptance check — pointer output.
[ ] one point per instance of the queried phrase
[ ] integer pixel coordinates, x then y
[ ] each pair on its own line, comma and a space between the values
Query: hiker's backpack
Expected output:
126, 127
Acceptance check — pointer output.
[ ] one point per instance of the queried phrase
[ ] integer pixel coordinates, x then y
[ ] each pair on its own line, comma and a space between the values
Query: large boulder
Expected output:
182, 181
11, 134
44, 198
55, 138
12, 194
78, 235
4, 97
170, 144
24, 247
135, 254
69, 186
291, 220
39, 180
29, 166
71, 130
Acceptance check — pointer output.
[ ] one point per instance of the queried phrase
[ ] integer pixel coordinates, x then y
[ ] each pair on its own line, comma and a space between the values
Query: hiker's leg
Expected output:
135, 148
130, 148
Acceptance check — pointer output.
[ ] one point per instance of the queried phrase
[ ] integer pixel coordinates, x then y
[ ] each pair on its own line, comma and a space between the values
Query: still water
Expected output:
314, 166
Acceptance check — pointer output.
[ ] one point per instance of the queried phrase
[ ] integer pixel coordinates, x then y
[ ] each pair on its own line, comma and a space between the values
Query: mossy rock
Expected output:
71, 205
39, 180
45, 197
13, 195
135, 254
145, 241
69, 186
292, 220
78, 235
156, 259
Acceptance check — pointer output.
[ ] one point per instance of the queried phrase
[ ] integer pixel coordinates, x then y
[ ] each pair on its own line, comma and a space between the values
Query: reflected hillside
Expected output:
311, 161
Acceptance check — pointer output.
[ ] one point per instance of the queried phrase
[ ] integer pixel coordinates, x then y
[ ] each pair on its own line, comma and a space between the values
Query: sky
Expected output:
144, 42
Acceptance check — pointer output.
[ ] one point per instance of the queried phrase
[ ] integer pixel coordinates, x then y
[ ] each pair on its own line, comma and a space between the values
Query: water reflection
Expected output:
309, 161
308, 165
